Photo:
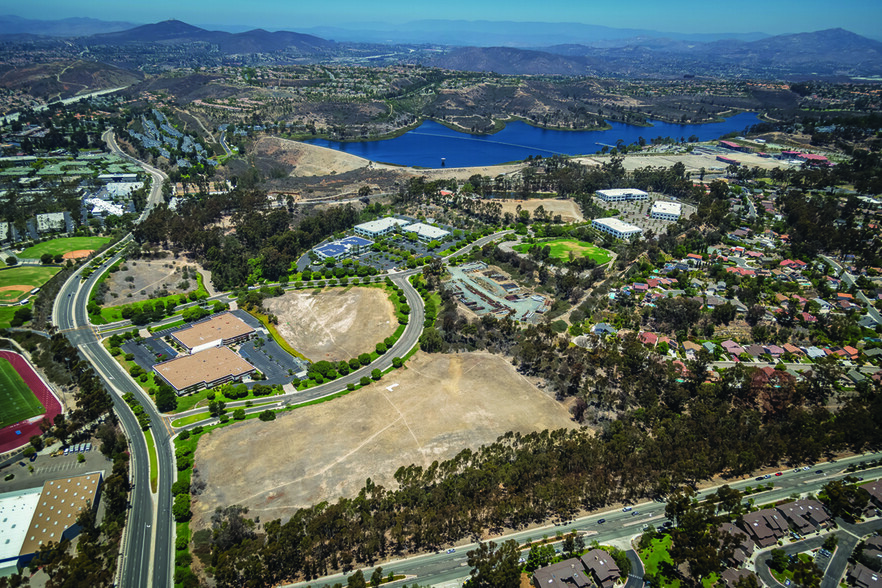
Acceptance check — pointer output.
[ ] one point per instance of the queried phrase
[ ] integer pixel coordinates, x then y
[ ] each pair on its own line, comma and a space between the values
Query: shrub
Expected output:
364, 381
376, 374
397, 362
267, 415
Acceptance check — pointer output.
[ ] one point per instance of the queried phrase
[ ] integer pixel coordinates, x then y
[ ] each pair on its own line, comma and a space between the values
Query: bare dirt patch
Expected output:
306, 159
569, 211
78, 254
159, 277
336, 324
431, 410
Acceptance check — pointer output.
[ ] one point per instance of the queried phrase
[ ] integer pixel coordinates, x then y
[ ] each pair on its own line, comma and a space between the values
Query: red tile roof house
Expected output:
765, 526
602, 567
809, 318
793, 350
850, 352
648, 338
653, 282
641, 287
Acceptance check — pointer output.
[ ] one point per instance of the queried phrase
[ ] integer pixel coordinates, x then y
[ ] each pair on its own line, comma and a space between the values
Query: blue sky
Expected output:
686, 16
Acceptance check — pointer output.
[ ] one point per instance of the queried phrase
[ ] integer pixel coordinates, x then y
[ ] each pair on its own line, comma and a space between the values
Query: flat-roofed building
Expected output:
204, 369
55, 517
622, 195
221, 329
425, 232
617, 228
666, 210
53, 222
16, 511
378, 228
343, 248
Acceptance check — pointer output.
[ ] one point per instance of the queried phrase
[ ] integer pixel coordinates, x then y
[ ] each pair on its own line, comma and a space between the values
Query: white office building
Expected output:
377, 228
617, 228
669, 211
622, 195
426, 232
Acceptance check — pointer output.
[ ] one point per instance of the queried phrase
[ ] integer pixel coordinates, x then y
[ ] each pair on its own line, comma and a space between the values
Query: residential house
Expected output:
875, 491
602, 567
691, 349
732, 348
731, 576
603, 329
743, 550
775, 351
648, 338
850, 352
764, 526
793, 350
863, 577
568, 573
754, 350
710, 347
805, 515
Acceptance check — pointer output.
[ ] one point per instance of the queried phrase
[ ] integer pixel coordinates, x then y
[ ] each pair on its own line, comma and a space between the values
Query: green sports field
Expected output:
17, 402
560, 249
64, 245
13, 280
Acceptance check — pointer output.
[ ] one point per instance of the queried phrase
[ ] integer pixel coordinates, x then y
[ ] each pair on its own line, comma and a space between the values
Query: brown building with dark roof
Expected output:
602, 566
565, 574
875, 490
863, 577
765, 526
805, 515
222, 329
744, 549
203, 369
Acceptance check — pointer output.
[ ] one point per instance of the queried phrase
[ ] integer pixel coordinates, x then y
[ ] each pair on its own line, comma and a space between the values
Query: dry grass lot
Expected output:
148, 276
569, 211
308, 160
437, 406
335, 324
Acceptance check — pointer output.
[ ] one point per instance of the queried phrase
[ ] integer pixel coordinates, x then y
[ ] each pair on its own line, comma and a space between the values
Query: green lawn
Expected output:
561, 248
64, 245
17, 402
658, 552
30, 275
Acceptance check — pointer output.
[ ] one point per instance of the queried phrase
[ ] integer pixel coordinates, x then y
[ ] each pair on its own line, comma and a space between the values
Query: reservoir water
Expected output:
427, 144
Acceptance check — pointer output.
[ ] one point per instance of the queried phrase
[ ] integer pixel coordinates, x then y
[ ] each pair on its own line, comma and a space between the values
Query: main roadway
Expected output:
148, 538
447, 568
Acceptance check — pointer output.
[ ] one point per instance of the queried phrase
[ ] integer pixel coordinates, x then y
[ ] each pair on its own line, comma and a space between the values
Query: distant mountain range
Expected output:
68, 27
175, 31
569, 49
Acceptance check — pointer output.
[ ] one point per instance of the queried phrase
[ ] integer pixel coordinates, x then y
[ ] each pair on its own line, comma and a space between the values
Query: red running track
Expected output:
18, 434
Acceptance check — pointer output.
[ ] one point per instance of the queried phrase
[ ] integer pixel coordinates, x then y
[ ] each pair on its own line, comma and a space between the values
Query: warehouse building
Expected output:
617, 228
669, 211
622, 195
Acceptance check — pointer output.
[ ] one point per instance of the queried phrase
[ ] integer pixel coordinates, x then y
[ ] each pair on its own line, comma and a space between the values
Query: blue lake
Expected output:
428, 143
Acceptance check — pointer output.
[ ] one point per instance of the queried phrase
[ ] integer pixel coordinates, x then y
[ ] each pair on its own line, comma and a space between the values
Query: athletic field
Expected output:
16, 282
64, 245
561, 248
17, 402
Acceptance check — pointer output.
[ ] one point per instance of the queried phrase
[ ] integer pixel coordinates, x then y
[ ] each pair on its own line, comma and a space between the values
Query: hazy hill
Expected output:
68, 27
174, 31
831, 52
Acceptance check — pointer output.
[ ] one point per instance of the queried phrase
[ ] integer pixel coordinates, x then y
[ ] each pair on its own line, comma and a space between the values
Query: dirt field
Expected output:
308, 160
437, 406
336, 324
567, 209
78, 254
147, 276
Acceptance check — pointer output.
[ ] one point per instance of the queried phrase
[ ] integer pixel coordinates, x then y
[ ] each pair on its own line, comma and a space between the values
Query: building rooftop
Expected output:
220, 327
16, 511
59, 506
426, 231
382, 224
666, 207
565, 574
203, 367
622, 192
617, 225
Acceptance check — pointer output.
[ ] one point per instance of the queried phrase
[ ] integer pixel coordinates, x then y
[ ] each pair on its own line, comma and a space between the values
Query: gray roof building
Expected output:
602, 566
565, 574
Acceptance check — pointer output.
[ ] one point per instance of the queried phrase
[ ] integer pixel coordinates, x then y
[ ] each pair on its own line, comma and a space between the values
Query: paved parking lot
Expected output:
149, 352
51, 468
275, 363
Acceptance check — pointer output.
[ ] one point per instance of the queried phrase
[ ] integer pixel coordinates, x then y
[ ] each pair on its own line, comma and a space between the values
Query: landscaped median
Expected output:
154, 461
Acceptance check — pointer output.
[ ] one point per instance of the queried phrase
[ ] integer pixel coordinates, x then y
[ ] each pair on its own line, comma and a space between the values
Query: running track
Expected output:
9, 440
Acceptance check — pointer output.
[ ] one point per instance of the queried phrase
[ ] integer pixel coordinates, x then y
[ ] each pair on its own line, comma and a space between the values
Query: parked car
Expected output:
626, 509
